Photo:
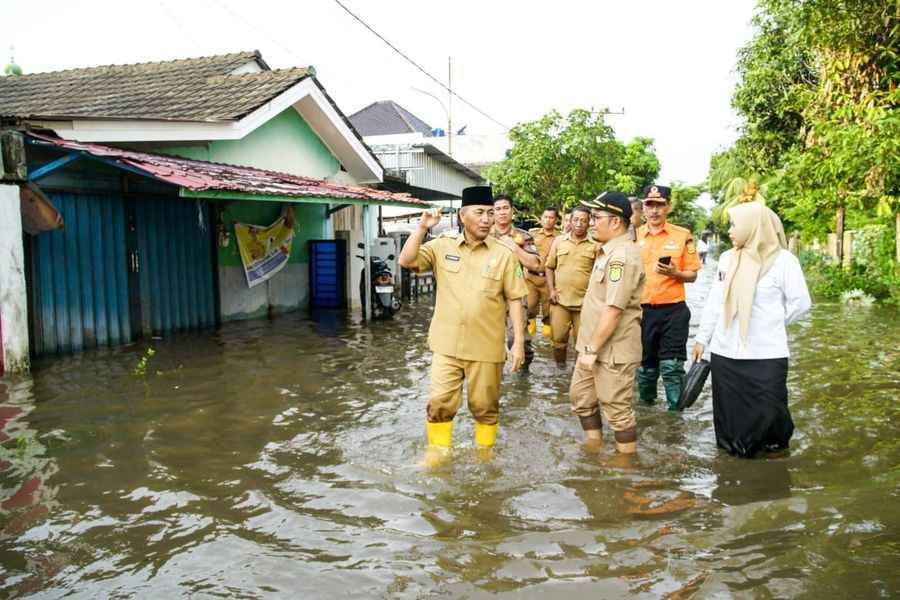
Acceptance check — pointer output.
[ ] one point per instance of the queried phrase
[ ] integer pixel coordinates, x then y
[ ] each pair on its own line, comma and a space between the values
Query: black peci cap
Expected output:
478, 195
616, 203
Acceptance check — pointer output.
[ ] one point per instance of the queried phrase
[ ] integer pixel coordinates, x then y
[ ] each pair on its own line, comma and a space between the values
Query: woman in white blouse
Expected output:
759, 289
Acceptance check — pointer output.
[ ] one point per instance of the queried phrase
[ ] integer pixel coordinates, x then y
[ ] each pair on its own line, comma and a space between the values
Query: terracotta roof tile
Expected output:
197, 89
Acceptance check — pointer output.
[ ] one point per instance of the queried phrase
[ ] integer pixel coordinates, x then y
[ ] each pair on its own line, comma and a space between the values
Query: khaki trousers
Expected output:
610, 388
483, 386
562, 318
538, 294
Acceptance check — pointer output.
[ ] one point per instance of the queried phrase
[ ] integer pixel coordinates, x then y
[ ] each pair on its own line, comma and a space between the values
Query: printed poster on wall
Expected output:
265, 250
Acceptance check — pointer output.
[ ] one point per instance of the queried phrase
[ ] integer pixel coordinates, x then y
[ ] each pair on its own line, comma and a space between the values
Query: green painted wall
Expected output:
310, 225
284, 143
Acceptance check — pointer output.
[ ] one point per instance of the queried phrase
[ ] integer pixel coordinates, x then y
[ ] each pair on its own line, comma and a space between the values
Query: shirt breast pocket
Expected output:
490, 282
587, 254
450, 267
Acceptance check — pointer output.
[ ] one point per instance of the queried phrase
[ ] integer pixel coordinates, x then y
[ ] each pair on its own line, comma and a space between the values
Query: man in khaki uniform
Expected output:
478, 279
609, 339
526, 251
538, 292
568, 269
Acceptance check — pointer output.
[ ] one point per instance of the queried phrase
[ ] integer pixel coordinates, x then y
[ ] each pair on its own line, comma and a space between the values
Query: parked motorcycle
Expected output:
382, 283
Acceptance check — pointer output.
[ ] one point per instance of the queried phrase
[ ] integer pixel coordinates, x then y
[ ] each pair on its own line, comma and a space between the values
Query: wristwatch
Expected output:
589, 350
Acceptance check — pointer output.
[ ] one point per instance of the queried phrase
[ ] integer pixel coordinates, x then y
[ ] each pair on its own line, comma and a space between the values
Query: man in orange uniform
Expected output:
670, 260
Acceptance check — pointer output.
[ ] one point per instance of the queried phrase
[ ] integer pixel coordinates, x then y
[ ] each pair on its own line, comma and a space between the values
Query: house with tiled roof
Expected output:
150, 167
413, 163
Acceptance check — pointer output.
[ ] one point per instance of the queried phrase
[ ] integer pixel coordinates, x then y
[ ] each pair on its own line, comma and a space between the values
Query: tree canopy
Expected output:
557, 161
818, 94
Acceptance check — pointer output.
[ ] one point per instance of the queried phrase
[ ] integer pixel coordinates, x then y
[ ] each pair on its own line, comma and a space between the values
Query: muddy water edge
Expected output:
279, 458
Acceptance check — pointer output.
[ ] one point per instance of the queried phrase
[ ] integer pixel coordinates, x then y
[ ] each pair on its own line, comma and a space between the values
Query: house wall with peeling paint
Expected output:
13, 300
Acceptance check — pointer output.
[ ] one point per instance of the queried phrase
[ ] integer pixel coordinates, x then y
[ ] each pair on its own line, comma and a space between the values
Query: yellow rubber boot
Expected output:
440, 434
532, 326
485, 435
440, 438
547, 332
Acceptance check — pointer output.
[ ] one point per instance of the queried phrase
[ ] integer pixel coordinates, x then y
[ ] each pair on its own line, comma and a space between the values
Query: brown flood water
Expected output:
279, 459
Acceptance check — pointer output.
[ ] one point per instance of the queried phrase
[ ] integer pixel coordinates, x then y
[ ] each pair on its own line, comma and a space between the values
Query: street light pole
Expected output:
446, 114
449, 111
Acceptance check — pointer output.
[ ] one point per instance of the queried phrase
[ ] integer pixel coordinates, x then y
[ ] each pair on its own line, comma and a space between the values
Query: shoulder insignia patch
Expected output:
519, 271
691, 247
615, 271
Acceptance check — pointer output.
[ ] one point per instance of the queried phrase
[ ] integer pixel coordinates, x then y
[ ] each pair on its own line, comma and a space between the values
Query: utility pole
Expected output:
449, 110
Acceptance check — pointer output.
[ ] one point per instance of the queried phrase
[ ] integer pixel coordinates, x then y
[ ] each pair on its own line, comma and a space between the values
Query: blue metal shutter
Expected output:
327, 274
79, 277
175, 254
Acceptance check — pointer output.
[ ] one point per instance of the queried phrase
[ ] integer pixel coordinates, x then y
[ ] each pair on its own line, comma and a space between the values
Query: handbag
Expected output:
693, 383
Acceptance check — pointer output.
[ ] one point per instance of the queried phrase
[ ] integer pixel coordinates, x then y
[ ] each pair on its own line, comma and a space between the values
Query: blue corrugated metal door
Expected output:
326, 274
79, 277
175, 265
123, 267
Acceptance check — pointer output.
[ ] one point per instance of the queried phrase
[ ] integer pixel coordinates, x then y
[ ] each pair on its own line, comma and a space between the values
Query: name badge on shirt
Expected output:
671, 246
451, 257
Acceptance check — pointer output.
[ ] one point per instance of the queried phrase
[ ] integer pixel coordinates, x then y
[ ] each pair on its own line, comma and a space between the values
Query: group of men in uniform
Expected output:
616, 291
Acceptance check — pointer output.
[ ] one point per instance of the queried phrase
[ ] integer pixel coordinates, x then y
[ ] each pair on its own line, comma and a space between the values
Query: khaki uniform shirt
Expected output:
617, 280
474, 284
543, 241
572, 263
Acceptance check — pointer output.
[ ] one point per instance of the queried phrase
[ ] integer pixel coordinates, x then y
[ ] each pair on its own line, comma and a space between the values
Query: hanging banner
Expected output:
265, 250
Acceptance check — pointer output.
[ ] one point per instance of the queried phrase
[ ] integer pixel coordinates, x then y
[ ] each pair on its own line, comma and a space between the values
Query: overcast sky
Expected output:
669, 64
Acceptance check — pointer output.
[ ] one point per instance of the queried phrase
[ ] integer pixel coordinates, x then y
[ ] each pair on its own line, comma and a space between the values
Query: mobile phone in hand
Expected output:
665, 259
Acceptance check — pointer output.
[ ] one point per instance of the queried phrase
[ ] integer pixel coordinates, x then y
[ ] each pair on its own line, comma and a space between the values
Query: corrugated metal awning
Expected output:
214, 181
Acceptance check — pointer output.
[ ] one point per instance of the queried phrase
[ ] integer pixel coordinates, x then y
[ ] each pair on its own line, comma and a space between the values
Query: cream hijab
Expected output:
758, 238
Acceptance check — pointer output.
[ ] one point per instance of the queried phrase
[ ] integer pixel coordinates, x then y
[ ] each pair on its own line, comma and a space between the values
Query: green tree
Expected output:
685, 211
818, 92
562, 161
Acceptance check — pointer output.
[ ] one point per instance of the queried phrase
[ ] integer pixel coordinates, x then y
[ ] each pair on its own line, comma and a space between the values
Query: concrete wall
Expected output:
13, 301
285, 291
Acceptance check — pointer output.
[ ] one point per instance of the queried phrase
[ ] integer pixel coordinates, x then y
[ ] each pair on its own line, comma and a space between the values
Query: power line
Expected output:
258, 30
413, 63
177, 22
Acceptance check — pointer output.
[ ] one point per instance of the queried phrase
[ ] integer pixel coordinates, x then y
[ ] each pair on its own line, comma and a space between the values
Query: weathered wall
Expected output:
288, 289
13, 301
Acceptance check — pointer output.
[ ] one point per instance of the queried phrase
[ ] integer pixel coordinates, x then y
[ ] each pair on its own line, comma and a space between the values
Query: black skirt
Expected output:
750, 408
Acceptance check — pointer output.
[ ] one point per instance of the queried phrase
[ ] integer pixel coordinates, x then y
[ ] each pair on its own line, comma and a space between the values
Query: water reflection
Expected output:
281, 458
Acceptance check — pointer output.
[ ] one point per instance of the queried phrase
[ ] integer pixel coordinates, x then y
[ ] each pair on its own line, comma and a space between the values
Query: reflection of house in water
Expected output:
24, 469
150, 166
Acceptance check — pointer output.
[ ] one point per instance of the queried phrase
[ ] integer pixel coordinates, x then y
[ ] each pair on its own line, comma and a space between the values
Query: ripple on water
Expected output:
284, 458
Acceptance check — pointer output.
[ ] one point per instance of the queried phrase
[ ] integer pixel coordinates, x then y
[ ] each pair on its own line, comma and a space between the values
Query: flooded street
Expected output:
280, 459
